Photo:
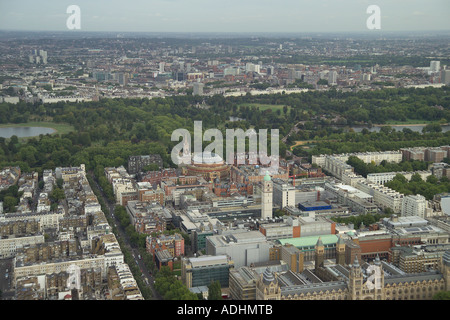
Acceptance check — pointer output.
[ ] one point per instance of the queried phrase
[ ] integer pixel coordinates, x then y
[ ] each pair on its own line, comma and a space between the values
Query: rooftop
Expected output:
311, 241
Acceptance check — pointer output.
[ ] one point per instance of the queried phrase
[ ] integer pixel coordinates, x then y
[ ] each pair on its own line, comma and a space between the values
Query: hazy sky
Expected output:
225, 15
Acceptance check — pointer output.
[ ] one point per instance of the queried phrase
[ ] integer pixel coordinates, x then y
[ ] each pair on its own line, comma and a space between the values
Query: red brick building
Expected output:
226, 190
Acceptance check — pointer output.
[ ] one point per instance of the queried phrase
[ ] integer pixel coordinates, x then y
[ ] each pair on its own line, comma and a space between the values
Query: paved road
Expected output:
145, 272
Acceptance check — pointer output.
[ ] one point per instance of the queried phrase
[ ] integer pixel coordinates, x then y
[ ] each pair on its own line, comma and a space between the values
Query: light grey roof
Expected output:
414, 277
290, 278
316, 287
446, 258
268, 276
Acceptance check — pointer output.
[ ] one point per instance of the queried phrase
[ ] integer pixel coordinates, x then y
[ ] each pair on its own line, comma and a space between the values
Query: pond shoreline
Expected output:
406, 125
44, 126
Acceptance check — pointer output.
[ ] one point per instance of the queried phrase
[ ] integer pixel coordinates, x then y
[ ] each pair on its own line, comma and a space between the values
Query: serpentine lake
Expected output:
22, 132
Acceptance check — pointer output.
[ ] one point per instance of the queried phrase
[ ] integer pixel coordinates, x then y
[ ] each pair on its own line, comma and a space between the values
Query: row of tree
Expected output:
364, 169
428, 188
366, 219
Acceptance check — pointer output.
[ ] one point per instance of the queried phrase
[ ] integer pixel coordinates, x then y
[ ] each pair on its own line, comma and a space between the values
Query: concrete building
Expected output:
284, 194
198, 88
332, 78
242, 246
382, 196
201, 271
383, 177
293, 257
435, 66
280, 228
415, 260
414, 205
445, 76
307, 245
433, 154
395, 222
356, 200
136, 163
10, 245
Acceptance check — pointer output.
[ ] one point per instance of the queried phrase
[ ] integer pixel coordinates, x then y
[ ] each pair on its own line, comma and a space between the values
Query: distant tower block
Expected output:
267, 198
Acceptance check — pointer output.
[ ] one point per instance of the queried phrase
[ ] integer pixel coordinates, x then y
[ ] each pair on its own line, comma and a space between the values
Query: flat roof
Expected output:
208, 260
310, 241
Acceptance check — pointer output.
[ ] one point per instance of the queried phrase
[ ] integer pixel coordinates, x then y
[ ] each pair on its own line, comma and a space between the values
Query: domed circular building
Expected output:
209, 165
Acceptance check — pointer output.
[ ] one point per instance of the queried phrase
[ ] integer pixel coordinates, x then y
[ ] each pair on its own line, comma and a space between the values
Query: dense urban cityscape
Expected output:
93, 205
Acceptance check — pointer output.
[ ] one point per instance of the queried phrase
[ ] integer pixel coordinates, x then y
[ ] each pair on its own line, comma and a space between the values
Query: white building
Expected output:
382, 196
113, 254
231, 71
251, 67
383, 177
445, 76
198, 88
337, 166
435, 66
242, 246
161, 67
332, 78
367, 157
9, 246
414, 206
283, 194
267, 198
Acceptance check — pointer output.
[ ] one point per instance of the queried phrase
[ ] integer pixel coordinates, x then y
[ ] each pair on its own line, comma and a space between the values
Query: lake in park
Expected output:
21, 132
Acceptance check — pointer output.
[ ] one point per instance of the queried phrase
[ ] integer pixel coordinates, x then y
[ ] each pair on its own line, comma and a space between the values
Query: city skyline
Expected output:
232, 16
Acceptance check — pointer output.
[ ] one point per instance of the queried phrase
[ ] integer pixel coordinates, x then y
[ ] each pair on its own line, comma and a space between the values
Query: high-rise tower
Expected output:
267, 197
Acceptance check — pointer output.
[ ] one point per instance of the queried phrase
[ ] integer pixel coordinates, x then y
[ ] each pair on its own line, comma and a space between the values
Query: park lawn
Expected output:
263, 107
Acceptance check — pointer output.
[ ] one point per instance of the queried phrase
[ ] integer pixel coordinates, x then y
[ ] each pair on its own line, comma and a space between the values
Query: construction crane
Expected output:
303, 174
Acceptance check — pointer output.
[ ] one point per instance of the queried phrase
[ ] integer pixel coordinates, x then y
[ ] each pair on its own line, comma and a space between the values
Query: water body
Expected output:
445, 128
22, 132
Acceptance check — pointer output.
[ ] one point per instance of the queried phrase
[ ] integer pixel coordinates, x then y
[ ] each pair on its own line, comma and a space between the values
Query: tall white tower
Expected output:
332, 77
435, 66
267, 197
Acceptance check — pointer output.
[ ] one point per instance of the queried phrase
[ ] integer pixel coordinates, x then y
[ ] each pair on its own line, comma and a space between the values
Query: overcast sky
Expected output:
225, 15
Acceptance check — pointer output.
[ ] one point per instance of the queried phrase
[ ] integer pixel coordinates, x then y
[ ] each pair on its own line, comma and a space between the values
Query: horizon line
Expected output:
374, 32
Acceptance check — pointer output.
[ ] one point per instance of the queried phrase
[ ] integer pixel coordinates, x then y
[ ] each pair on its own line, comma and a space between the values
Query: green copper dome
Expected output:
267, 177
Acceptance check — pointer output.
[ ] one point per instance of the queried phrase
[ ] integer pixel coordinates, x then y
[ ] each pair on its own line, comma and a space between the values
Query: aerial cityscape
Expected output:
256, 155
